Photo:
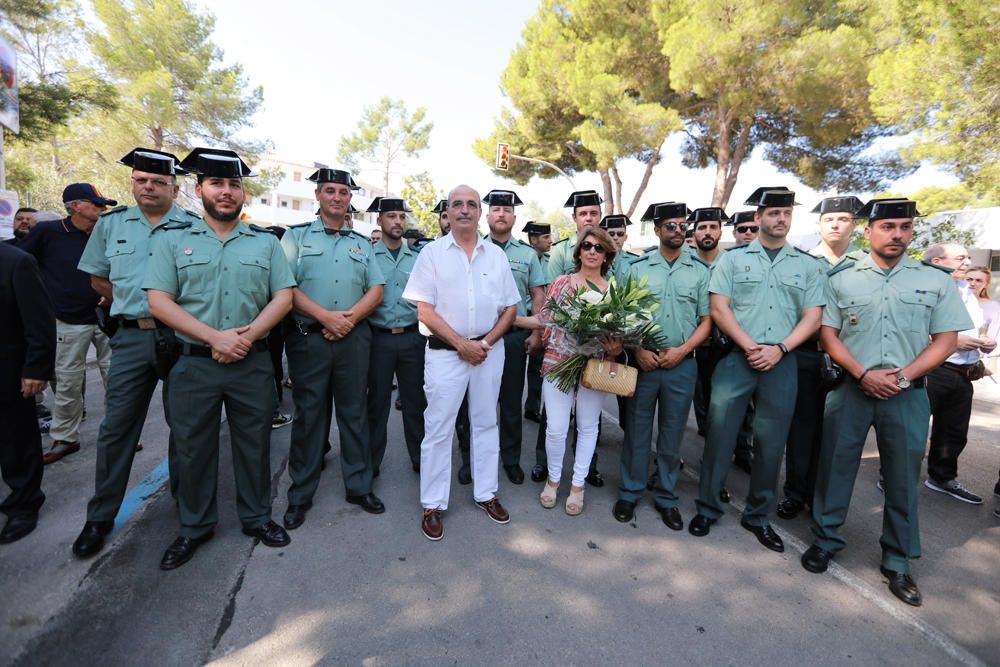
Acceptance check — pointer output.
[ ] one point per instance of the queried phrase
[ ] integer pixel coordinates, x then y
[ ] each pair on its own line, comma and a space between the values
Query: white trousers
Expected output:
72, 343
558, 406
446, 379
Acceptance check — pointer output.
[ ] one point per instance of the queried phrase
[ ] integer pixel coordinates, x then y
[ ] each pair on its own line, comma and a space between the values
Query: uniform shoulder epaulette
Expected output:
649, 249
634, 254
946, 269
738, 247
640, 258
300, 224
116, 209
560, 241
177, 224
806, 253
258, 228
843, 264
698, 259
193, 214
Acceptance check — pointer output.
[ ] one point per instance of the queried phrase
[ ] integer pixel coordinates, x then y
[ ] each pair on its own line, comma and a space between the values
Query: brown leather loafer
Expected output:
494, 510
59, 449
431, 526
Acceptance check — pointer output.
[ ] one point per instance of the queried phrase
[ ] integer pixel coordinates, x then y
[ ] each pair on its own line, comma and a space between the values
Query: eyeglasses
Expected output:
155, 182
596, 247
673, 226
616, 234
748, 229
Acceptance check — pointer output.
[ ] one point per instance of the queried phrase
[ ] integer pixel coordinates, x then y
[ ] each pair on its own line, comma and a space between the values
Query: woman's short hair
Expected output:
605, 241
985, 292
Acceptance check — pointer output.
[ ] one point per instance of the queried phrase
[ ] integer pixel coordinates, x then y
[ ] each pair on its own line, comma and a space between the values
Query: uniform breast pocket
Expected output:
745, 288
856, 313
122, 258
794, 289
310, 265
359, 269
255, 275
194, 274
917, 310
520, 272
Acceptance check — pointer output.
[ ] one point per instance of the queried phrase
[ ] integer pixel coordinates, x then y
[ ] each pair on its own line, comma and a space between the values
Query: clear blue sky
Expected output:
320, 63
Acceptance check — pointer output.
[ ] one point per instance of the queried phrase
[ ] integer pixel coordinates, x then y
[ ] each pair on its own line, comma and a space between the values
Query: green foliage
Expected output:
939, 79
385, 133
421, 195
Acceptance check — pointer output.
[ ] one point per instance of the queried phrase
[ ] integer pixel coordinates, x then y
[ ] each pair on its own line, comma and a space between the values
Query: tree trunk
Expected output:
156, 134
608, 197
724, 118
385, 181
618, 189
650, 164
736, 161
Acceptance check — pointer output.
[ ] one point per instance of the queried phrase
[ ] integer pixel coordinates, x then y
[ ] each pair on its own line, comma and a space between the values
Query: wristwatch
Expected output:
902, 382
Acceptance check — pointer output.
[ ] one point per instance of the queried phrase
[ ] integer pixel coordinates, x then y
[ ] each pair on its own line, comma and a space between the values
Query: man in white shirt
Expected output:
466, 300
949, 386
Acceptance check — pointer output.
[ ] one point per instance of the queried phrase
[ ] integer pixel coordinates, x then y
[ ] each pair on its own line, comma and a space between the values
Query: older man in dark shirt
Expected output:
58, 245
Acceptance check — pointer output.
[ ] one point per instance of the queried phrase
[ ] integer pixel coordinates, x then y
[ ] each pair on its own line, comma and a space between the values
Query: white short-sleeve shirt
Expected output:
468, 294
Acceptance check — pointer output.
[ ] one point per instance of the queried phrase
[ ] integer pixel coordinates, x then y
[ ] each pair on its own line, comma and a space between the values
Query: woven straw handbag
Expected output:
609, 376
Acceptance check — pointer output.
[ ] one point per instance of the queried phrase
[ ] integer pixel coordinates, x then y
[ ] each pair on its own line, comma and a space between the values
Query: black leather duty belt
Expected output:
192, 350
436, 343
395, 331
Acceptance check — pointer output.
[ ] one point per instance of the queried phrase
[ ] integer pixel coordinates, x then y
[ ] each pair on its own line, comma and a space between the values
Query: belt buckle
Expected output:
300, 326
398, 330
146, 323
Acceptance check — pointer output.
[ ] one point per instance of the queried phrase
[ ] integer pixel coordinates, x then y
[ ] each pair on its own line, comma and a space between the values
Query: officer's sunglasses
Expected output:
596, 247
747, 229
673, 226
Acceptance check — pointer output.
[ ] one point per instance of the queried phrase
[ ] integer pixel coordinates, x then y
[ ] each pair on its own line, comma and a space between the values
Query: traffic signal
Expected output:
503, 156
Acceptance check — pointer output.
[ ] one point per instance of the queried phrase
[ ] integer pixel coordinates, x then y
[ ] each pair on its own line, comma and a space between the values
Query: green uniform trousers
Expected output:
901, 425
327, 374
400, 355
198, 389
511, 390
533, 403
733, 384
672, 390
806, 434
131, 382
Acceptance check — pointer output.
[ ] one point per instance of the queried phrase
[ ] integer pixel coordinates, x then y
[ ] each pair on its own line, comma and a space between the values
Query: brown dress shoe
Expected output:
431, 526
59, 449
495, 510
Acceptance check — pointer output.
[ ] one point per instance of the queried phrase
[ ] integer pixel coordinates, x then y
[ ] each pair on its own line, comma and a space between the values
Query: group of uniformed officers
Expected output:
805, 350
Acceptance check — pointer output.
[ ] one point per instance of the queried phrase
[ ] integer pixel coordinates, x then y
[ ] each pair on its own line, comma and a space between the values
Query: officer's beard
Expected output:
216, 214
706, 243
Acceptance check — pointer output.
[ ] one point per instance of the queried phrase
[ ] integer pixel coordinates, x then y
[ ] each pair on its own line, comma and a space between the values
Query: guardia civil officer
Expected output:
520, 339
222, 286
616, 225
116, 257
836, 225
667, 376
441, 209
397, 346
745, 227
329, 346
767, 298
540, 240
889, 321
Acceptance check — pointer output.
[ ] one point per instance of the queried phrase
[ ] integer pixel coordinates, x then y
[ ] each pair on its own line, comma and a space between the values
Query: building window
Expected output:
295, 204
284, 204
297, 176
264, 201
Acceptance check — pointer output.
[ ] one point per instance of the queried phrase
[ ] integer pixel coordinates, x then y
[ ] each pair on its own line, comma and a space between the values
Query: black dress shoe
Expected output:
724, 495
624, 510
816, 560
789, 508
903, 586
368, 502
270, 535
91, 538
671, 517
700, 525
766, 536
595, 479
465, 475
295, 516
515, 474
532, 415
181, 551
538, 473
18, 526
743, 464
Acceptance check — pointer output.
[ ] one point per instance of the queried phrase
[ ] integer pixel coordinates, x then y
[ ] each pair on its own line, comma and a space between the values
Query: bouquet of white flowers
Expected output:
587, 316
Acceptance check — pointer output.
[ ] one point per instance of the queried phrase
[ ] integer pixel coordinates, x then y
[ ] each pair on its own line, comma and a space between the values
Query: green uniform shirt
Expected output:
224, 284
526, 268
334, 270
851, 254
119, 249
681, 289
884, 320
767, 297
394, 311
561, 258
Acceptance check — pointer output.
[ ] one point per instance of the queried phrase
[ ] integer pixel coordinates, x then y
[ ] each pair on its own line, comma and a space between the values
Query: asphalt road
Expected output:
357, 589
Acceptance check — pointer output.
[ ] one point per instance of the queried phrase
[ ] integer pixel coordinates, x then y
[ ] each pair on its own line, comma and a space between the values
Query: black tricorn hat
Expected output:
838, 205
771, 198
502, 198
327, 175
413, 233
153, 162
583, 198
741, 217
537, 228
888, 209
386, 204
615, 221
440, 207
707, 214
689, 233
216, 162
665, 210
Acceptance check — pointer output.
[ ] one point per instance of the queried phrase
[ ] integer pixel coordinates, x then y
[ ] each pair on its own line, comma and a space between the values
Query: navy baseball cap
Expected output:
77, 191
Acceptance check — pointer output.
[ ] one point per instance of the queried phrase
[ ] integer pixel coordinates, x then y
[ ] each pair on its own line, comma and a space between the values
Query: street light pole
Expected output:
547, 164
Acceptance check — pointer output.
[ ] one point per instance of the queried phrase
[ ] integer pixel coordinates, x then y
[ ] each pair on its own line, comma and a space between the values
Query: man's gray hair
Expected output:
69, 206
938, 250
